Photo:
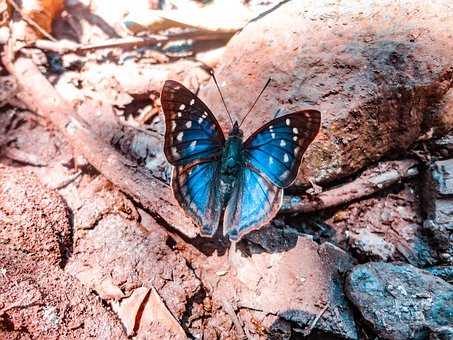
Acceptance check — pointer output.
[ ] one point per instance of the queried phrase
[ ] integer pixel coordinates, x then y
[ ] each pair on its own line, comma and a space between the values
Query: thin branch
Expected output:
41, 97
30, 21
129, 42
237, 324
371, 181
307, 332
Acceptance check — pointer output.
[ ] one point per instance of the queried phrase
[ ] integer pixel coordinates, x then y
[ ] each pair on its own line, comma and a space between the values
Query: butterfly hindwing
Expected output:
191, 131
195, 188
276, 149
253, 203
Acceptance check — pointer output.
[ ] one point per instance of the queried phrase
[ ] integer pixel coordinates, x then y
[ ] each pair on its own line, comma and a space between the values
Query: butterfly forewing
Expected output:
191, 131
276, 149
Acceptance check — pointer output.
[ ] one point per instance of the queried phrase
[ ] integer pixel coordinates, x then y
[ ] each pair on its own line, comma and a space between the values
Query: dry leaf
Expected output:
40, 12
220, 16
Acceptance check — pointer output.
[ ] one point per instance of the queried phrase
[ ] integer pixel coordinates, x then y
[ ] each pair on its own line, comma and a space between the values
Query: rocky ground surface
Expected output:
92, 244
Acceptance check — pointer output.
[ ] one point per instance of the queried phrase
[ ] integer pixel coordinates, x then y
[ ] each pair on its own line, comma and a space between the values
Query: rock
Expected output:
369, 244
34, 219
38, 300
399, 300
128, 256
366, 66
386, 227
438, 205
444, 272
444, 145
296, 284
145, 309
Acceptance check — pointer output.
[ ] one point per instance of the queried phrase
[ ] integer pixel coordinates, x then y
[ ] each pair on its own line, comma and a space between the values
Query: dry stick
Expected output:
41, 97
237, 324
30, 21
308, 331
382, 176
129, 42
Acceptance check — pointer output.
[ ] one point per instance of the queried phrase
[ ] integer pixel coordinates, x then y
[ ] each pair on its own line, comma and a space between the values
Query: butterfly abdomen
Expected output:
230, 166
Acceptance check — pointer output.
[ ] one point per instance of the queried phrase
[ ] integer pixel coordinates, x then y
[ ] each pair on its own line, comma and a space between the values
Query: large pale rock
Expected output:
401, 301
374, 69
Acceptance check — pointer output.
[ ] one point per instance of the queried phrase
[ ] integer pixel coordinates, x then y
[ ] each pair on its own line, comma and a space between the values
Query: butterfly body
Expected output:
231, 180
231, 163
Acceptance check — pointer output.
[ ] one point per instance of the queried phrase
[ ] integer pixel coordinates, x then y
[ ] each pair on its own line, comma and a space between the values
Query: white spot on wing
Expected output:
271, 128
285, 158
179, 114
192, 101
296, 150
288, 121
182, 107
205, 114
179, 136
282, 142
200, 120
273, 135
193, 144
189, 124
295, 138
295, 130
284, 174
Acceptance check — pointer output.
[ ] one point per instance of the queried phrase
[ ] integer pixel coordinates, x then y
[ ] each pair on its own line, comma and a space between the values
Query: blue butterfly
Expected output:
218, 179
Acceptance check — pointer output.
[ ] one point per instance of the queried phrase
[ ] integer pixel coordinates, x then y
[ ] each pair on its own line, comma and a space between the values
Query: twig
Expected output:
30, 21
22, 157
41, 97
237, 324
382, 176
307, 332
129, 42
66, 181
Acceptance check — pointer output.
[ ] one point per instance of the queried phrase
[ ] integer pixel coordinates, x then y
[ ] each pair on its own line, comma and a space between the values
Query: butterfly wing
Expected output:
195, 188
272, 159
276, 149
191, 131
194, 143
253, 203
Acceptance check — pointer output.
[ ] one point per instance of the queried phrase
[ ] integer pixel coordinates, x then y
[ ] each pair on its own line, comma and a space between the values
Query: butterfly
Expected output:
217, 178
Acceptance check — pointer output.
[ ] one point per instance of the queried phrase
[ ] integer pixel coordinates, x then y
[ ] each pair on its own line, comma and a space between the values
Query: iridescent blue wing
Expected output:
191, 131
253, 203
196, 189
272, 157
276, 149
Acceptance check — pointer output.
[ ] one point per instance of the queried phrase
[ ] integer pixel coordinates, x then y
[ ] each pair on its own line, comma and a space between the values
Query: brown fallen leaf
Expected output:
35, 17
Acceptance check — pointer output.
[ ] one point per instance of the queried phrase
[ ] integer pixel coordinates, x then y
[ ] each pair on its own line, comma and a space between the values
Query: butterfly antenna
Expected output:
211, 71
256, 100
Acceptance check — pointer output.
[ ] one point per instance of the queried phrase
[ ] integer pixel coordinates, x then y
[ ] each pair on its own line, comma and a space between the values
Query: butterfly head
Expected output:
236, 131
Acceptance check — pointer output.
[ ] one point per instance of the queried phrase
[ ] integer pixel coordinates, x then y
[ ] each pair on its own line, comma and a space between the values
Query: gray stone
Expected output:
400, 301
438, 199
